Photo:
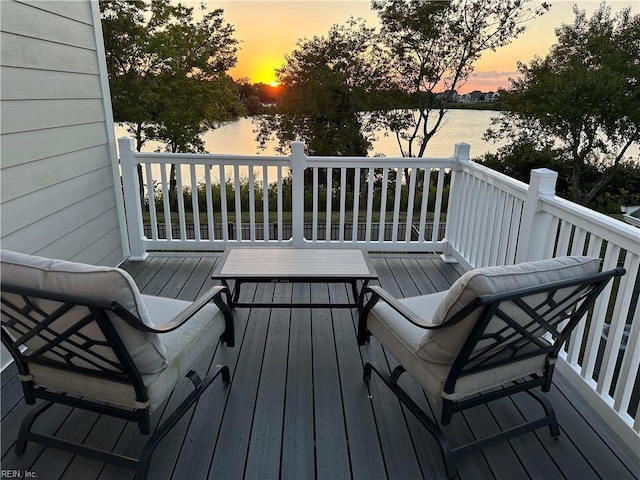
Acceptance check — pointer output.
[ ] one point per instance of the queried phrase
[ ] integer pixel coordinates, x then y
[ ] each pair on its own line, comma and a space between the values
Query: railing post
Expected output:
461, 154
535, 224
298, 165
133, 209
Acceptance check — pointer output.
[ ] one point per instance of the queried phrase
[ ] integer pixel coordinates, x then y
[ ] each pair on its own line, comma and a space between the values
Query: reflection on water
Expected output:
460, 126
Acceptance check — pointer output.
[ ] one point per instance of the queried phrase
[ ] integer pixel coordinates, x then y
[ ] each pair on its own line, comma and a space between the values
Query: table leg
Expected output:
356, 293
235, 291
354, 290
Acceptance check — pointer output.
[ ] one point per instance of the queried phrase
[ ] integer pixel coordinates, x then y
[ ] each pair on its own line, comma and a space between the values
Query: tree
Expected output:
326, 82
433, 46
582, 99
167, 72
189, 109
125, 33
150, 47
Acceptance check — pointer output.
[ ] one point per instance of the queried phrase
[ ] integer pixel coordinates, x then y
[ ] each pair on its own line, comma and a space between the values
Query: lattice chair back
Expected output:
525, 328
51, 335
62, 312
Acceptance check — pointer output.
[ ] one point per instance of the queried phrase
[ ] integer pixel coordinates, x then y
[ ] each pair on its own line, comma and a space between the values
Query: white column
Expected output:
298, 165
461, 155
133, 209
535, 224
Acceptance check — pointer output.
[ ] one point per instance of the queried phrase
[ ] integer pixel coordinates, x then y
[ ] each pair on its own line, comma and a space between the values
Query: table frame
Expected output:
239, 279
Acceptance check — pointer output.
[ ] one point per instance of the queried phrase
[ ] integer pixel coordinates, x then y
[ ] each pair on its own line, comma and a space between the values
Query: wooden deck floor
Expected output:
297, 407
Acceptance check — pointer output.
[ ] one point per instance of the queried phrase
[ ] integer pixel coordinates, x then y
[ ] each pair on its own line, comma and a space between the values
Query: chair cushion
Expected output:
89, 282
401, 339
185, 346
443, 345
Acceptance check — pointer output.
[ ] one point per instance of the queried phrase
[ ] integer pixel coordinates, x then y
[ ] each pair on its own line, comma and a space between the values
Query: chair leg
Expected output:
25, 435
228, 336
550, 417
25, 427
432, 427
141, 465
187, 403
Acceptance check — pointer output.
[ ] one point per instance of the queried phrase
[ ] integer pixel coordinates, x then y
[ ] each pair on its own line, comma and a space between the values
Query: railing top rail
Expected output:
273, 160
379, 162
594, 222
210, 159
516, 187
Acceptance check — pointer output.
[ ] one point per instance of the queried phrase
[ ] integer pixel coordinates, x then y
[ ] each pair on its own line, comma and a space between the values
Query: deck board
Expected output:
332, 457
266, 432
298, 408
298, 459
364, 448
11, 390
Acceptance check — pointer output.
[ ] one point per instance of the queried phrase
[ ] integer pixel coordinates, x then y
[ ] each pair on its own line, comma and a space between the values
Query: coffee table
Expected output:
295, 265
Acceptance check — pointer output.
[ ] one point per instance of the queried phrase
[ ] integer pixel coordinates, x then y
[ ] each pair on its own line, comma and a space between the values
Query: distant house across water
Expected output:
473, 97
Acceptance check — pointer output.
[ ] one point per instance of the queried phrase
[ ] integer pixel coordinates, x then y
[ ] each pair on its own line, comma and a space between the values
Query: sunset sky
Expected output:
270, 29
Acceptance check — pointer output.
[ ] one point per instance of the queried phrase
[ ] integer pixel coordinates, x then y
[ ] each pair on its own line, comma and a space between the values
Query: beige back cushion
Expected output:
91, 282
443, 345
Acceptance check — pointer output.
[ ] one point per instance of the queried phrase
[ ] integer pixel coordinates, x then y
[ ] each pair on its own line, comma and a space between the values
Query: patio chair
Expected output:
84, 336
497, 331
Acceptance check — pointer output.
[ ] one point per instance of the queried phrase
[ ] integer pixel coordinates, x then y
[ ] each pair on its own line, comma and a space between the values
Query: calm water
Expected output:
460, 126
238, 138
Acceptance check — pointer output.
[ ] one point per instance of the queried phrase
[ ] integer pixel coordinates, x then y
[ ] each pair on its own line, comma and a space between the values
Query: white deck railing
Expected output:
468, 213
296, 200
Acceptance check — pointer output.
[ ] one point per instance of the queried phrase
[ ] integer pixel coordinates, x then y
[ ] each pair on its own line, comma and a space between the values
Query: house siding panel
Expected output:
34, 176
19, 148
59, 193
32, 21
99, 229
27, 52
30, 238
28, 115
38, 205
80, 11
32, 84
58, 188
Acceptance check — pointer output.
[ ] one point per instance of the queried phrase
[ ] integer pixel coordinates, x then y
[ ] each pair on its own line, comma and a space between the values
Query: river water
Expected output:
460, 126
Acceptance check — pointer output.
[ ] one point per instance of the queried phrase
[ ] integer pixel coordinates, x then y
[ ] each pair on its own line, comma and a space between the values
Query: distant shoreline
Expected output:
474, 106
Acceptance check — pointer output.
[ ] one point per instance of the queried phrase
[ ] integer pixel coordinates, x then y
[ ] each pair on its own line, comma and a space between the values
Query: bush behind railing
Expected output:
272, 189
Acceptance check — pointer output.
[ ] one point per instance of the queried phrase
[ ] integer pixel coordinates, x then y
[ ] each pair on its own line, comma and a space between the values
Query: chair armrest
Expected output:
379, 293
178, 320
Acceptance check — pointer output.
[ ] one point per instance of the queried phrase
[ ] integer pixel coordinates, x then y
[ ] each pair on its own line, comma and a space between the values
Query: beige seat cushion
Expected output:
184, 347
91, 282
443, 345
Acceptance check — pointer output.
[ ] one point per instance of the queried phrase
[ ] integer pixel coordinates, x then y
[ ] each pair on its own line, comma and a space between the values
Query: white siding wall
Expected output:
58, 166
57, 174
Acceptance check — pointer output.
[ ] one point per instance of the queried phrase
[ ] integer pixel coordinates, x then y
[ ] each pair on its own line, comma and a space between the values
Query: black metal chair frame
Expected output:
512, 343
72, 345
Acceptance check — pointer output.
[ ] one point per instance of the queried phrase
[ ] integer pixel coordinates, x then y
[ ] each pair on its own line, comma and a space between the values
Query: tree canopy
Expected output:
580, 102
327, 81
167, 71
433, 46
423, 47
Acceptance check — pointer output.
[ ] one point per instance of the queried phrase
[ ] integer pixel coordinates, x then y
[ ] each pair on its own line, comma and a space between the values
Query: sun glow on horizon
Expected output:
269, 29
257, 67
